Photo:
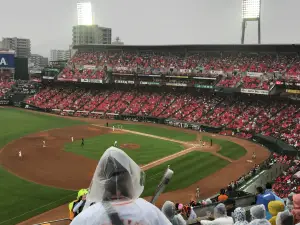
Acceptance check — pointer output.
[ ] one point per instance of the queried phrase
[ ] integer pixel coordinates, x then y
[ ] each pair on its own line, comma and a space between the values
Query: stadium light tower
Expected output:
84, 13
251, 12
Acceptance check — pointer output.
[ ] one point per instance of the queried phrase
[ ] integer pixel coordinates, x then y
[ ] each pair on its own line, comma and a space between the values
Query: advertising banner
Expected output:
184, 77
7, 60
203, 86
121, 68
185, 71
216, 72
124, 81
176, 84
254, 91
254, 74
292, 91
48, 78
98, 81
84, 80
91, 67
67, 79
4, 102
149, 83
205, 78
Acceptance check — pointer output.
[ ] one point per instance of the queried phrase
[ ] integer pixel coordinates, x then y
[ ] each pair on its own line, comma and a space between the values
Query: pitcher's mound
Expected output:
130, 146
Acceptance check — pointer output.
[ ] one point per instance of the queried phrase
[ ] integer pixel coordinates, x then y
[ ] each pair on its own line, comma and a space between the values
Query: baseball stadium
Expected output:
208, 126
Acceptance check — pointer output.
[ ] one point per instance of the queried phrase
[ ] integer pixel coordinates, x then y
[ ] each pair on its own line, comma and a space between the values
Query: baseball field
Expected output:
47, 177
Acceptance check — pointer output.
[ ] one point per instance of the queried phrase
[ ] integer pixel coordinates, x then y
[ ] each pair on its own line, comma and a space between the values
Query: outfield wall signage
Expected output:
7, 60
254, 91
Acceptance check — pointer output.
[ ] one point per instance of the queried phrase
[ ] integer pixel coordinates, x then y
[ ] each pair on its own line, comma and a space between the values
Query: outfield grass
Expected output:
228, 148
21, 199
160, 131
151, 149
188, 169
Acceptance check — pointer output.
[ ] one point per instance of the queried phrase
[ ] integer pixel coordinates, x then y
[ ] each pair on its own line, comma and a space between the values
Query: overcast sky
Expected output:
49, 23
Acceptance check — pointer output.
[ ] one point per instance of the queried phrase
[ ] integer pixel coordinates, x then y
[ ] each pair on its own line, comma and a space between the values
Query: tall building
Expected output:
21, 46
38, 60
84, 13
60, 55
85, 35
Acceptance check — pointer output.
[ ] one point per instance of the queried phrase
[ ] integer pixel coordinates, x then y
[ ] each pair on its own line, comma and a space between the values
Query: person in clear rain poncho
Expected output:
285, 218
239, 216
220, 215
169, 210
114, 193
258, 215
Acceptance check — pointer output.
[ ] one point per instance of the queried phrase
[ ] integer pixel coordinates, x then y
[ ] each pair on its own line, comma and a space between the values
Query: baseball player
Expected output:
20, 154
253, 155
44, 144
72, 139
198, 192
113, 128
116, 144
82, 142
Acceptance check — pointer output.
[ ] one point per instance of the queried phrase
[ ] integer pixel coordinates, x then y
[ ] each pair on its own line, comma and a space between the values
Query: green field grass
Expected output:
150, 149
160, 131
188, 169
228, 148
21, 199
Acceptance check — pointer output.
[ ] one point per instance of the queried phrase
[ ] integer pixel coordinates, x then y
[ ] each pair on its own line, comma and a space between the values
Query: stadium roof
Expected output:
218, 48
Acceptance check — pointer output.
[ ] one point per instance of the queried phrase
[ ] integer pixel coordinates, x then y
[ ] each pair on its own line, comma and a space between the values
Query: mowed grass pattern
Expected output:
151, 149
180, 135
188, 169
228, 148
21, 199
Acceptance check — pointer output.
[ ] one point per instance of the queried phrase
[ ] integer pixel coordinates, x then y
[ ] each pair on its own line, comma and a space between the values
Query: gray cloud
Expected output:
49, 23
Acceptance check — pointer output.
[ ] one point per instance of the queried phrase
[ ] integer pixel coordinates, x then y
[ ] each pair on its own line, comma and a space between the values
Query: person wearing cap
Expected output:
76, 206
114, 194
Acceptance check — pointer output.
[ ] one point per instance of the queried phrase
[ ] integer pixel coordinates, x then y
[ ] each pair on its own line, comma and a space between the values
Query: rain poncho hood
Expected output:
274, 208
285, 218
239, 216
258, 212
296, 209
220, 211
169, 210
116, 178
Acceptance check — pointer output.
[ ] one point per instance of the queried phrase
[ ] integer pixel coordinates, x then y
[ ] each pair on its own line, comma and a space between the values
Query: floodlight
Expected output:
84, 13
251, 13
251, 9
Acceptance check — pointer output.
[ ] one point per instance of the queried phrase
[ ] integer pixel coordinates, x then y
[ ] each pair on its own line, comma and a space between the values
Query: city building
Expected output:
84, 13
93, 34
38, 60
117, 41
1, 45
21, 46
60, 55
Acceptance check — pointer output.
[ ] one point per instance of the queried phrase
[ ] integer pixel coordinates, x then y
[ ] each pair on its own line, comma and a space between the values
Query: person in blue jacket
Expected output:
264, 198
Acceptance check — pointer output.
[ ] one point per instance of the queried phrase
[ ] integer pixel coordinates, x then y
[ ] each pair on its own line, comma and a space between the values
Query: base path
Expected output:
53, 167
